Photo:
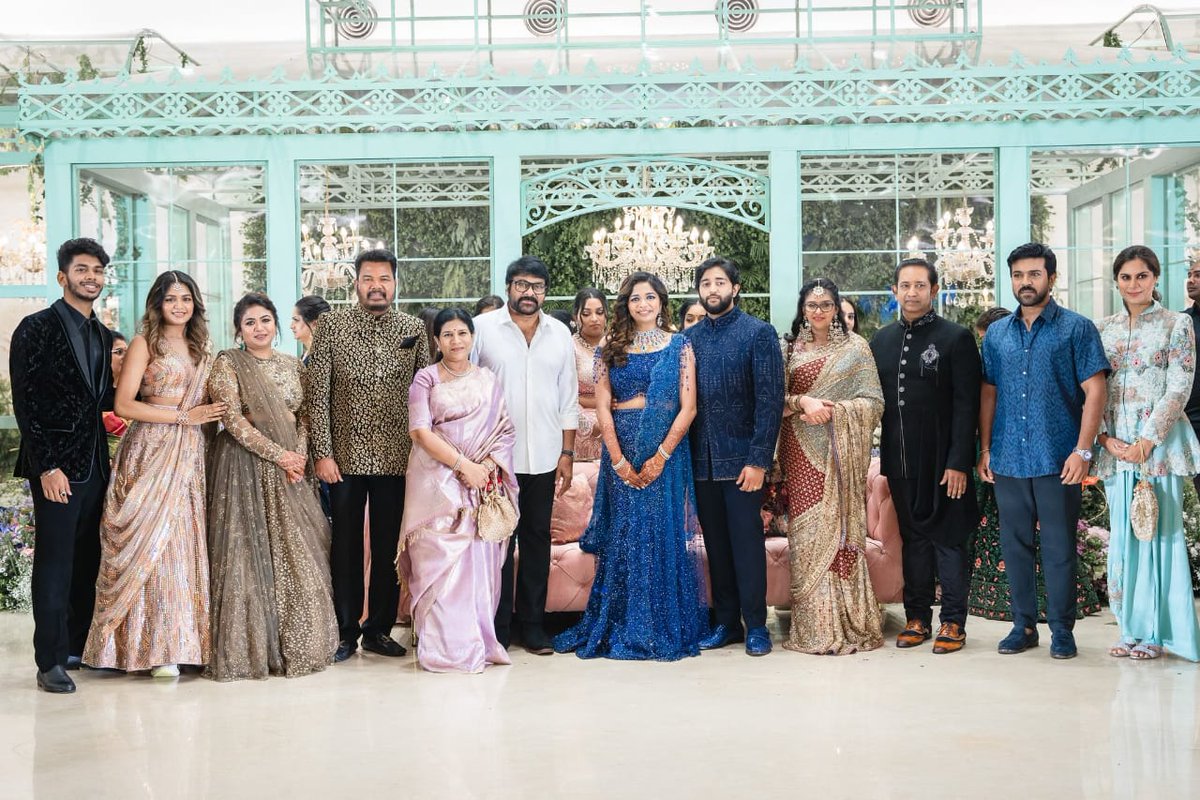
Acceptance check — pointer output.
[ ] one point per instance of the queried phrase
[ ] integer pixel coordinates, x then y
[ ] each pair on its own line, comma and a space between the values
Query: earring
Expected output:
660, 320
837, 334
806, 332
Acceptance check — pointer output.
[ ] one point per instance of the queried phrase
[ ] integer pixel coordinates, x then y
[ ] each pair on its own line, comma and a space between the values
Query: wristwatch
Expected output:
1086, 455
566, 452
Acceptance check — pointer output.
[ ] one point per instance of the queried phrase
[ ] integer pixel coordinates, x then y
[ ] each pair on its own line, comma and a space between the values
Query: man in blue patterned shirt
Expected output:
739, 406
1044, 389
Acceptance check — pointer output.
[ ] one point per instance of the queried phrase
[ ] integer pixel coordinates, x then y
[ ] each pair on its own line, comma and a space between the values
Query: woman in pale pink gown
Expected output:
462, 437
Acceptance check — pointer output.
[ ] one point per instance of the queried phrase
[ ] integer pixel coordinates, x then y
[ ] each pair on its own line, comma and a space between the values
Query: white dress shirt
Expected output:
541, 385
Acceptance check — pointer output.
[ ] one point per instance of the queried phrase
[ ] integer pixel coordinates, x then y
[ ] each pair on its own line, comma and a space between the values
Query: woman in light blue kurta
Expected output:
1153, 353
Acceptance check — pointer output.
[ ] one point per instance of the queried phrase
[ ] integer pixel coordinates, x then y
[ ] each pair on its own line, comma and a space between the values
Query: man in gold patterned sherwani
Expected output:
362, 363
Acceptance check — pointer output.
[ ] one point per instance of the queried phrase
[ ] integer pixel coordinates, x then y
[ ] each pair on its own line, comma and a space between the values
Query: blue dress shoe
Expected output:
1062, 645
758, 642
1018, 641
721, 635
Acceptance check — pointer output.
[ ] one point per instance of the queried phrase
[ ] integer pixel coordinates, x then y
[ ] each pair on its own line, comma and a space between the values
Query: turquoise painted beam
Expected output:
506, 216
1012, 214
283, 236
786, 236
915, 137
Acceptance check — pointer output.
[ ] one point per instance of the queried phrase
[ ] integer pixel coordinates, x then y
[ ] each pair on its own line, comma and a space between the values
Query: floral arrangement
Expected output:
1092, 545
16, 555
1191, 532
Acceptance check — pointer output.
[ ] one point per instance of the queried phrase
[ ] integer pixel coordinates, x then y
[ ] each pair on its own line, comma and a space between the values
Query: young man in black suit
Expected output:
61, 384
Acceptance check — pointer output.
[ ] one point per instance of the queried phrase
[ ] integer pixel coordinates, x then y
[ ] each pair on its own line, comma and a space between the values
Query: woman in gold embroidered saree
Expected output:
268, 539
833, 402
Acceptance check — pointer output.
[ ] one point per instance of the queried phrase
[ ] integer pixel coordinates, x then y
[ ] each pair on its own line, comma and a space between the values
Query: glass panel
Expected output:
860, 212
434, 216
207, 221
22, 229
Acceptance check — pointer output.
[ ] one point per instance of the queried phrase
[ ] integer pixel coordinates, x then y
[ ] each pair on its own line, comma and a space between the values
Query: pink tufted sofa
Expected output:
572, 570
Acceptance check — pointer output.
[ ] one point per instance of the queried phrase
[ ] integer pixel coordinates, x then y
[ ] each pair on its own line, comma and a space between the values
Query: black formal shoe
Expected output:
56, 681
536, 641
74, 662
346, 648
383, 644
504, 637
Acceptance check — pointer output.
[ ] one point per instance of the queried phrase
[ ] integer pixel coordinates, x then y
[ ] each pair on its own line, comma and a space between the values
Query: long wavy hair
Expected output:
196, 331
831, 289
615, 352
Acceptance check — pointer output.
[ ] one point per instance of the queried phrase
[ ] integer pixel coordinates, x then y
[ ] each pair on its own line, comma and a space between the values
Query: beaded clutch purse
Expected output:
1143, 510
496, 517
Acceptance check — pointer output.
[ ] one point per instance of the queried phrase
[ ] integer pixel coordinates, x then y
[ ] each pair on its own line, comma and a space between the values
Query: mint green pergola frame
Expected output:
637, 118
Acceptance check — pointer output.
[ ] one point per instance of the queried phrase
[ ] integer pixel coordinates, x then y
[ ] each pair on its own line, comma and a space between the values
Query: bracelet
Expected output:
457, 461
985, 450
666, 456
617, 466
50, 471
183, 419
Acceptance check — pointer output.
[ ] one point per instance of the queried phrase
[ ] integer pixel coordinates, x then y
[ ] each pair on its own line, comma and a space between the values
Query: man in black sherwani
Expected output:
61, 368
930, 372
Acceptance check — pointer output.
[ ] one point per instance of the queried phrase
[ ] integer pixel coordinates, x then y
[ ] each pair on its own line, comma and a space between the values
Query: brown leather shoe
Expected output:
950, 638
915, 632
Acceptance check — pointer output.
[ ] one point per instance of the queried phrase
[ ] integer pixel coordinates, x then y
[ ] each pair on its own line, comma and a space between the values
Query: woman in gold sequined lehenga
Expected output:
268, 539
833, 402
152, 591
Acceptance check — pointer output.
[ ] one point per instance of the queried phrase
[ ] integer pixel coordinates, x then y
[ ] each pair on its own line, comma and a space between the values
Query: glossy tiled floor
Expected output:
880, 725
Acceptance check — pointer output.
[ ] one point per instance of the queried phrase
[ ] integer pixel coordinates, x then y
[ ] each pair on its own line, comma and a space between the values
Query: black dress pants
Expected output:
535, 502
349, 501
66, 560
737, 557
929, 559
1024, 503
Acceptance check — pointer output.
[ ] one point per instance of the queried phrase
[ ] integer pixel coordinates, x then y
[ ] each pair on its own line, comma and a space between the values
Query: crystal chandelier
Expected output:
23, 258
649, 238
964, 257
327, 263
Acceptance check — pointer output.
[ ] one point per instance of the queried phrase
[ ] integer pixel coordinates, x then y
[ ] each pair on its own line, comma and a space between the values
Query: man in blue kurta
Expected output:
739, 406
1044, 389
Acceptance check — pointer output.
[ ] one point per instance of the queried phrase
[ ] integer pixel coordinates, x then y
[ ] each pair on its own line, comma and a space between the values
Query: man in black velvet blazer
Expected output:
61, 383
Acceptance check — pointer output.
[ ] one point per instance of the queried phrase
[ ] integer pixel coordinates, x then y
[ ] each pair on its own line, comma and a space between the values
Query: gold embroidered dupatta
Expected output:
825, 467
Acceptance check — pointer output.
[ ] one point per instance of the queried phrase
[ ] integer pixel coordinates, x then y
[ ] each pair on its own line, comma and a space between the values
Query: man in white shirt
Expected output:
535, 360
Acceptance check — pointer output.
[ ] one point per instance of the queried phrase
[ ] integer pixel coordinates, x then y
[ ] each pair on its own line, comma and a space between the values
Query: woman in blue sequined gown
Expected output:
647, 600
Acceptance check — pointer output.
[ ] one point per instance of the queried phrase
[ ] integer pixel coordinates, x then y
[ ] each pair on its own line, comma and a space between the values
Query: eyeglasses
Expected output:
823, 308
525, 286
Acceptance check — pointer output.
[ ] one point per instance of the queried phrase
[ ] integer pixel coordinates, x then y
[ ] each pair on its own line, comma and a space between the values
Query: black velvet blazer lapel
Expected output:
73, 336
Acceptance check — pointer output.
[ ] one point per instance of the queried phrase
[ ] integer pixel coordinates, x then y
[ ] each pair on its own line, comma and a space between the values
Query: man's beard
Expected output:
720, 308
515, 305
77, 291
1038, 297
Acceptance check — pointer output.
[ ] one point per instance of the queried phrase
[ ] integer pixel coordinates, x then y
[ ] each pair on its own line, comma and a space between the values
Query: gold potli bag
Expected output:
1143, 510
496, 517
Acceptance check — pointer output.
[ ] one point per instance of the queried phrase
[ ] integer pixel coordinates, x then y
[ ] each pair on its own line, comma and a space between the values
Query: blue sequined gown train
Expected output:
647, 600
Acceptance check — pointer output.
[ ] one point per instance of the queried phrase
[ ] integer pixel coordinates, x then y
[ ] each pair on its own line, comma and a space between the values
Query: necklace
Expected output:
462, 374
586, 344
649, 341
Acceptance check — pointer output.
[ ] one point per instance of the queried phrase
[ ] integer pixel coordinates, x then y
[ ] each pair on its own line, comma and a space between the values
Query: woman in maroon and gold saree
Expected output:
833, 402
